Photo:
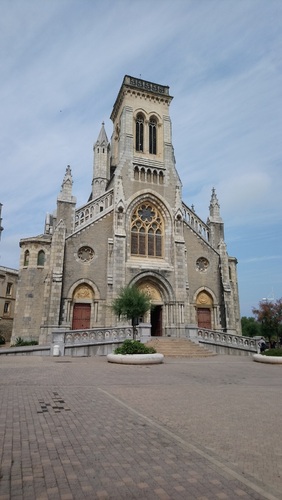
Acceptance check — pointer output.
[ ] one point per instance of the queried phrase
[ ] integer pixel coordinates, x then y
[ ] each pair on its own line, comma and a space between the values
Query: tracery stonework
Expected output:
85, 253
202, 264
146, 231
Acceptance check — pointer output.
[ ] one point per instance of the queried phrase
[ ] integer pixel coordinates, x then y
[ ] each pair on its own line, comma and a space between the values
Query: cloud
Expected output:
62, 64
261, 259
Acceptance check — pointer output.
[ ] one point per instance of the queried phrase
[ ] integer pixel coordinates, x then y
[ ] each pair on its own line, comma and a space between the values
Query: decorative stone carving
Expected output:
204, 298
83, 292
202, 264
85, 253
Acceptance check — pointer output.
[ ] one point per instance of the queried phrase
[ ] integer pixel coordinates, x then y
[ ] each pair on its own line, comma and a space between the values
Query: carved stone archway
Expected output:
83, 297
155, 315
204, 306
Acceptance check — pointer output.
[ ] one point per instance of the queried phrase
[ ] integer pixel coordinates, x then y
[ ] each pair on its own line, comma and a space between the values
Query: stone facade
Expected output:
134, 229
8, 290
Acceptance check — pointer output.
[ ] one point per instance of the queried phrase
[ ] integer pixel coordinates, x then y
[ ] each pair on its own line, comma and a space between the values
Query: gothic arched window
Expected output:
41, 258
153, 136
139, 139
26, 258
146, 231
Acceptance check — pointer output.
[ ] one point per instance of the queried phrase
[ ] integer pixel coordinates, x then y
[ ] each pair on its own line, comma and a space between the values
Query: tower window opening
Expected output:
41, 258
153, 136
26, 258
139, 144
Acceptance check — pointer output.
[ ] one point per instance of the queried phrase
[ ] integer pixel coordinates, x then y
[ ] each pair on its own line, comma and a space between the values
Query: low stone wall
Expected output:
86, 350
32, 350
103, 341
226, 343
92, 342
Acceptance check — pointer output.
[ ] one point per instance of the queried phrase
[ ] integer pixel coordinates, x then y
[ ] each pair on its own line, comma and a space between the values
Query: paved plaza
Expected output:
82, 428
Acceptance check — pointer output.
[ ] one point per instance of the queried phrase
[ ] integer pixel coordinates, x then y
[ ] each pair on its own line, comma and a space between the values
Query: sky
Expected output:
62, 63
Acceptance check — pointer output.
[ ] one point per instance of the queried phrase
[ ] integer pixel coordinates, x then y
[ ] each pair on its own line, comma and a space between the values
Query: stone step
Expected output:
179, 348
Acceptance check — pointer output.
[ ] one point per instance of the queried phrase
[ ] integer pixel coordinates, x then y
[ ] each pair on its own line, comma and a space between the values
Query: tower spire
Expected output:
214, 208
101, 163
215, 221
66, 191
66, 202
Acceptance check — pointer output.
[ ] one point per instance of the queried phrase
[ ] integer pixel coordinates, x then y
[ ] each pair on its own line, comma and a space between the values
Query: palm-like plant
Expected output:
131, 303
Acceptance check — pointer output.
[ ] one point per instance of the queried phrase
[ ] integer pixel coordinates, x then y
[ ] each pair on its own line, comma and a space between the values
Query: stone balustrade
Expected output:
227, 340
195, 222
93, 209
66, 341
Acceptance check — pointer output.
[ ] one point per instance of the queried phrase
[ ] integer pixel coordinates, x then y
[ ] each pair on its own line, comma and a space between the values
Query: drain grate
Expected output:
56, 405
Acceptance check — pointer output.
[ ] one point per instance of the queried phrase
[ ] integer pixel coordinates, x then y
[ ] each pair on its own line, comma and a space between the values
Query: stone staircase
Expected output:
179, 348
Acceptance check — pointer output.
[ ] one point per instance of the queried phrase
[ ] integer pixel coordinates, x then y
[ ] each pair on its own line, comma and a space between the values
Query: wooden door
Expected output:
204, 318
81, 316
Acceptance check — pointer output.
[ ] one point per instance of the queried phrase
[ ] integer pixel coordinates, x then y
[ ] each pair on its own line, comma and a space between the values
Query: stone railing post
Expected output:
58, 343
192, 332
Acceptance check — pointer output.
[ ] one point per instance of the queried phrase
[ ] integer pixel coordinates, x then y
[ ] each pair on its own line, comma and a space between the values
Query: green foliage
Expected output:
250, 327
269, 315
134, 347
20, 342
273, 352
2, 340
131, 303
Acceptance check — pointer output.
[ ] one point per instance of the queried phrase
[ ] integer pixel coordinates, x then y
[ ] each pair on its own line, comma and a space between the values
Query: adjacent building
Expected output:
8, 289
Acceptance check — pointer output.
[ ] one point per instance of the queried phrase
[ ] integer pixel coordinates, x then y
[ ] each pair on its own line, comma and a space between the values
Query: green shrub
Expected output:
273, 352
134, 347
21, 342
2, 340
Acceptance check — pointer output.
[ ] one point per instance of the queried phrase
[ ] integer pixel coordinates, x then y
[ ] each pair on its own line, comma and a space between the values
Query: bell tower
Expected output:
141, 120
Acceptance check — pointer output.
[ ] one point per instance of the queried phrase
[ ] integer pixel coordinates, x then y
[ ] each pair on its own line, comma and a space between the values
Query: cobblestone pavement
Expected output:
82, 428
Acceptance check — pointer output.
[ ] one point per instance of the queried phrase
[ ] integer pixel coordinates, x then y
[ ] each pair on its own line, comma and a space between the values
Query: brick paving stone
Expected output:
188, 429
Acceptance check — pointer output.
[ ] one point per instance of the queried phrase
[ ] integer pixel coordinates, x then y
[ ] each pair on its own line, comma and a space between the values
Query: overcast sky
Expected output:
61, 65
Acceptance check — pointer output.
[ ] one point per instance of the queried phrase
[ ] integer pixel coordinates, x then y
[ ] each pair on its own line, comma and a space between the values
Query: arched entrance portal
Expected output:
82, 299
156, 321
204, 310
155, 316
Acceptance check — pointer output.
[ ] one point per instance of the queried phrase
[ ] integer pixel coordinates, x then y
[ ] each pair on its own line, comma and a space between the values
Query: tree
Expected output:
250, 327
131, 303
269, 315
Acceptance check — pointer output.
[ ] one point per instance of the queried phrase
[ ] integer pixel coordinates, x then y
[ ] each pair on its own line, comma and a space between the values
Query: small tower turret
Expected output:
101, 164
66, 202
215, 221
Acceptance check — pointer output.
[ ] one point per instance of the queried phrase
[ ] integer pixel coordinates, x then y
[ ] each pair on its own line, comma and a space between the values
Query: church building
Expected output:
135, 229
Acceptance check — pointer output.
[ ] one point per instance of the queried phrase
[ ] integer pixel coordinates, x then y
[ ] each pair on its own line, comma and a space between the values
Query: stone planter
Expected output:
136, 359
260, 358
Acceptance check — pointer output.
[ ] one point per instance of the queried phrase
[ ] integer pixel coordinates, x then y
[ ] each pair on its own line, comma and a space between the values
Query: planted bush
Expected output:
2, 340
134, 347
272, 352
21, 342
